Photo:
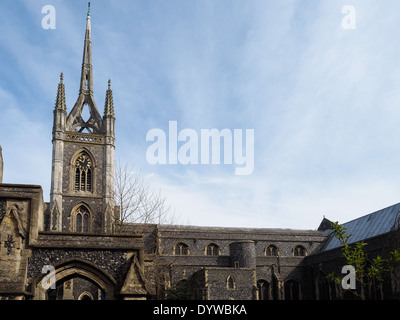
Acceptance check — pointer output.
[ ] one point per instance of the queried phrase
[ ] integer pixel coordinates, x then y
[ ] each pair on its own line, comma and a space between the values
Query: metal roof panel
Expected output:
368, 226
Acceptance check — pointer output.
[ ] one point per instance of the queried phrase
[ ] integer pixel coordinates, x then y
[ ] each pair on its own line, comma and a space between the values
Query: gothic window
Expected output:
212, 250
230, 283
181, 249
271, 251
78, 224
326, 288
82, 220
85, 296
83, 173
299, 251
292, 290
263, 290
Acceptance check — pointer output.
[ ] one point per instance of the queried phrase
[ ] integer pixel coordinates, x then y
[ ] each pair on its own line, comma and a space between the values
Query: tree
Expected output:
142, 210
137, 201
368, 272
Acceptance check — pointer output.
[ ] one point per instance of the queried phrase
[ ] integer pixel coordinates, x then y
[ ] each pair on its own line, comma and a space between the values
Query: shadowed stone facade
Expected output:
182, 256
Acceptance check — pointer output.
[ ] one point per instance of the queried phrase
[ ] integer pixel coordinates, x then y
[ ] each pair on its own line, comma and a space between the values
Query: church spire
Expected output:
75, 122
87, 73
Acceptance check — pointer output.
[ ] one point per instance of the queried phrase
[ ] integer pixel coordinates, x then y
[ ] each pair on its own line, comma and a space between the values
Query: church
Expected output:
69, 248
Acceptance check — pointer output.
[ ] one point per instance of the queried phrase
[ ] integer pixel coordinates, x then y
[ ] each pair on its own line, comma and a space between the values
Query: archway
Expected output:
86, 276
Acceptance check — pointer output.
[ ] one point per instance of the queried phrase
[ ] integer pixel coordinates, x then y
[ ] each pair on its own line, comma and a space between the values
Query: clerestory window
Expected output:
212, 250
181, 249
299, 251
271, 251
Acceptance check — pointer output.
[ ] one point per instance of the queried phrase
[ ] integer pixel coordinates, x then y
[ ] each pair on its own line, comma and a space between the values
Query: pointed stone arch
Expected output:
77, 268
85, 296
78, 152
82, 209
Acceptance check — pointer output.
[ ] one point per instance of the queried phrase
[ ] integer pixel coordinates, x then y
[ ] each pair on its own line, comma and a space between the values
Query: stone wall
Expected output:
247, 247
93, 199
114, 262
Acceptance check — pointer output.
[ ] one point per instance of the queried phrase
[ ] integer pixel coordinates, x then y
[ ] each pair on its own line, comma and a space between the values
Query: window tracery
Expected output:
181, 249
271, 251
83, 173
299, 251
212, 249
82, 219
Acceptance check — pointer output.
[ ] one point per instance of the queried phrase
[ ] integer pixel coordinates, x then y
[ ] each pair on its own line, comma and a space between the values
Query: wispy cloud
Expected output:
323, 101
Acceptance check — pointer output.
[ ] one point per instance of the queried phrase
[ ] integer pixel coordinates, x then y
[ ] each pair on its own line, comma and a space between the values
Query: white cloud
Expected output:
323, 101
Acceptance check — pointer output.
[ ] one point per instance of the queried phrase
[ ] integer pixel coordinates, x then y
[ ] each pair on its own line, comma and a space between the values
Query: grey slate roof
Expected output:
368, 226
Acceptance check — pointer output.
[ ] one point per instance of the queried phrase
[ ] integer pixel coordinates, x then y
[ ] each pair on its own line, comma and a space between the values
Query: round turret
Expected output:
243, 254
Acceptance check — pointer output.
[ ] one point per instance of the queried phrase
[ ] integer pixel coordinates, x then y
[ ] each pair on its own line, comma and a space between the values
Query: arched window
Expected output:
271, 251
230, 283
299, 251
263, 290
292, 290
85, 296
181, 249
326, 288
83, 173
82, 221
212, 250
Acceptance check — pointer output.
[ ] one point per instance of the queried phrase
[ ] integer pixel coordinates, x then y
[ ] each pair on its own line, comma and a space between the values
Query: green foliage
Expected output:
367, 272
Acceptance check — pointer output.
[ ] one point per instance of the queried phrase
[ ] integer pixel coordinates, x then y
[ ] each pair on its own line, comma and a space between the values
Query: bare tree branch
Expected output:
137, 201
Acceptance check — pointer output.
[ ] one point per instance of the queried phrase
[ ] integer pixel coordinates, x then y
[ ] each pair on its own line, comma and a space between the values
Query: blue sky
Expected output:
323, 101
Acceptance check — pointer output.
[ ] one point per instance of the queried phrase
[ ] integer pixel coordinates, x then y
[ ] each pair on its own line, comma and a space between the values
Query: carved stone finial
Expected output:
109, 103
60, 100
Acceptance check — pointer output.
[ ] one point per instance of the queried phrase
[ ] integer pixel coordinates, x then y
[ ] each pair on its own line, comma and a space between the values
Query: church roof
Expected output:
368, 226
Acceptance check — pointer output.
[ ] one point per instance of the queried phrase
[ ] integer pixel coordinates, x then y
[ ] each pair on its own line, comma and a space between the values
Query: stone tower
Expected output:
83, 156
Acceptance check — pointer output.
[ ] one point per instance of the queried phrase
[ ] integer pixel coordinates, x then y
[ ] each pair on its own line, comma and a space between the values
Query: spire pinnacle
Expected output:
109, 103
60, 100
88, 11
